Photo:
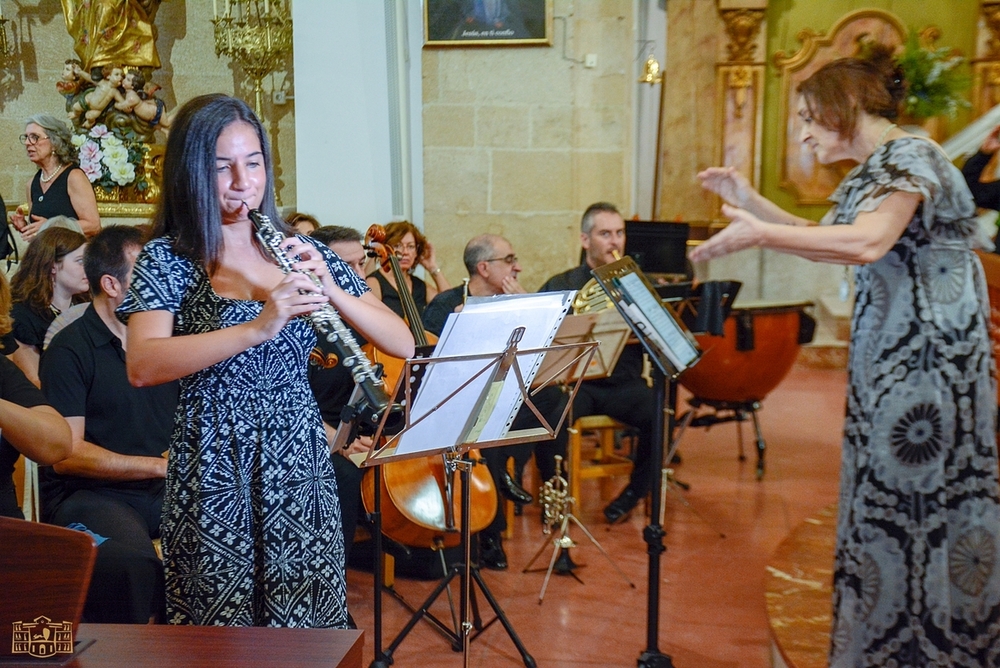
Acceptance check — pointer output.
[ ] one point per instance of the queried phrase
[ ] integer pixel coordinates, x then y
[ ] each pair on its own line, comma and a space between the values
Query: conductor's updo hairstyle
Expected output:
842, 89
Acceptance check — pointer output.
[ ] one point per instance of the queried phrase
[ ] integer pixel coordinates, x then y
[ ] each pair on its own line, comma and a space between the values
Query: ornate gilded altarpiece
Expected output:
801, 174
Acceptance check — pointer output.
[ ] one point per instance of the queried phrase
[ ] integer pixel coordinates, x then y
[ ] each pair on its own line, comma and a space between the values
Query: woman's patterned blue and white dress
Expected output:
251, 519
916, 579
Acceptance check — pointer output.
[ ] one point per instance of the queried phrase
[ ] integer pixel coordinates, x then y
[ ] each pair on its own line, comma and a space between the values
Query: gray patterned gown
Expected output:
251, 519
918, 539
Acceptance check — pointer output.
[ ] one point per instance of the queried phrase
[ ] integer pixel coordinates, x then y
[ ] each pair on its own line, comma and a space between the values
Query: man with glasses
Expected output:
493, 270
624, 395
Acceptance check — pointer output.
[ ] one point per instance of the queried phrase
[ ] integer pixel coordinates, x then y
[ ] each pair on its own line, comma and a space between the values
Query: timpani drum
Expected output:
758, 347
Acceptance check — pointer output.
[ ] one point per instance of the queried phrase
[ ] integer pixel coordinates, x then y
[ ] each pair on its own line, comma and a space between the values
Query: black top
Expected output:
629, 366
55, 201
985, 195
15, 388
83, 375
390, 296
7, 344
29, 326
440, 308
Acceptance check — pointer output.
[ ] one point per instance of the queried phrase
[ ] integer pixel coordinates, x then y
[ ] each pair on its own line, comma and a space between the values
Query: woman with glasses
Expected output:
59, 187
412, 249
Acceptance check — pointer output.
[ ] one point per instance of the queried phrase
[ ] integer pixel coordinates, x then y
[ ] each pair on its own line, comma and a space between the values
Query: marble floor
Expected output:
720, 538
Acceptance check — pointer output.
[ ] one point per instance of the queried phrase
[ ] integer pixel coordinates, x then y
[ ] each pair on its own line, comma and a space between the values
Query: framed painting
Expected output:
487, 22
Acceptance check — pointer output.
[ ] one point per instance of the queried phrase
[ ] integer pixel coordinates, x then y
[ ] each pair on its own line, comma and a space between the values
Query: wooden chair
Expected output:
44, 571
604, 462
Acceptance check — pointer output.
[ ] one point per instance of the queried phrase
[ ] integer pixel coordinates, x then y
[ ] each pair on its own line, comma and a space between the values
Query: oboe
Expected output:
328, 325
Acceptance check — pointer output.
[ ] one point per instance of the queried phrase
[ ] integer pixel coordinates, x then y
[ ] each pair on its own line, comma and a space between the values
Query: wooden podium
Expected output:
166, 646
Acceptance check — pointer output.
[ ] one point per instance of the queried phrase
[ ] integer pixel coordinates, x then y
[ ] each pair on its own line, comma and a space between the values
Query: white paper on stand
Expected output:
484, 326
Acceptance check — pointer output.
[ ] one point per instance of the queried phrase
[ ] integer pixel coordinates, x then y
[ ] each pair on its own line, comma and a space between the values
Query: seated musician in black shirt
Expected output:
493, 270
113, 482
624, 395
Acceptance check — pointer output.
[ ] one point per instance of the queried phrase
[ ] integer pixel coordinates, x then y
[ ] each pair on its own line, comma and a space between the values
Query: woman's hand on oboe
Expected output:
293, 296
311, 262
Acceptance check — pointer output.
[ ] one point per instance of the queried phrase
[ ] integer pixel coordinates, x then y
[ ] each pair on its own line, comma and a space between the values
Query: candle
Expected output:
215, 9
227, 9
266, 9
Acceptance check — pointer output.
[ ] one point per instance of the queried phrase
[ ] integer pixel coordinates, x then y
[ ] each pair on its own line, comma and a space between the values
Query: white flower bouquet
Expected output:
110, 158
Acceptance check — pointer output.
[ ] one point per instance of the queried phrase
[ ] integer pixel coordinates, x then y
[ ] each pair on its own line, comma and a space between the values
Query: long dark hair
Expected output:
838, 91
188, 211
32, 283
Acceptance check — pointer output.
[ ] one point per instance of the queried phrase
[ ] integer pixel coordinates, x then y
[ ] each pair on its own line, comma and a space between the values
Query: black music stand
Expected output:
475, 400
672, 349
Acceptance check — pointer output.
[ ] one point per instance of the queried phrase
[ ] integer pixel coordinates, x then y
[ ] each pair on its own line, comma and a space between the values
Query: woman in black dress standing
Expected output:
251, 519
59, 187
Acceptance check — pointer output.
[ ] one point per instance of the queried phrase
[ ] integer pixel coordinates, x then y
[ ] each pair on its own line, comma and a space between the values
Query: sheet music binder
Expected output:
669, 343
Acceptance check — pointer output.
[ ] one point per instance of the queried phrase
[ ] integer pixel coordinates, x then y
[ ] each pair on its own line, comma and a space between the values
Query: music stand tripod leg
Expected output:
600, 549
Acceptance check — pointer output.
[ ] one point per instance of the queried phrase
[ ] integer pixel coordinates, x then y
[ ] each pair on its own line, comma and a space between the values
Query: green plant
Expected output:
934, 78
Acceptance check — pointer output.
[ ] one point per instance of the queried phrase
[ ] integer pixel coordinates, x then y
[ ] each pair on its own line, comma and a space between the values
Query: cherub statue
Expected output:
69, 84
97, 100
140, 101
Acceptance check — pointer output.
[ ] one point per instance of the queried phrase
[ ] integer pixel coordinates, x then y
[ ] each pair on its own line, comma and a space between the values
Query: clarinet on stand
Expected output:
328, 325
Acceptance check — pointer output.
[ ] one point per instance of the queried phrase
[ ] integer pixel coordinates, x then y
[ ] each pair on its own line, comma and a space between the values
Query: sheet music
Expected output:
661, 328
482, 327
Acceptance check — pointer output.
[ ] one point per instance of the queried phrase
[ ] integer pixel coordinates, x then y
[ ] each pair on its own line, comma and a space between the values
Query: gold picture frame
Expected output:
487, 22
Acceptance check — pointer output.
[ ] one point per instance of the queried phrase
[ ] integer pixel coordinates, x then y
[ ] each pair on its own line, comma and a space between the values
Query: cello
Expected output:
415, 503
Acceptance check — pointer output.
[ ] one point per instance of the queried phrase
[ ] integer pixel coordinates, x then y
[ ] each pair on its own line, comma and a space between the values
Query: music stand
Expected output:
672, 349
468, 401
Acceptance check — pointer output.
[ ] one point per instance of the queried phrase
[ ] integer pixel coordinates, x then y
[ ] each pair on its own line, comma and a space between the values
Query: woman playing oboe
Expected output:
251, 521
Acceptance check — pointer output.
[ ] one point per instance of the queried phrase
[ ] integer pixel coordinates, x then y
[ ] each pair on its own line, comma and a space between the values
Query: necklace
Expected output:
881, 137
46, 179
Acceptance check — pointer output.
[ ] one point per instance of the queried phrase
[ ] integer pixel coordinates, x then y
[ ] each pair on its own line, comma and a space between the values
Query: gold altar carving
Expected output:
986, 65
809, 181
991, 18
113, 32
742, 27
112, 103
739, 95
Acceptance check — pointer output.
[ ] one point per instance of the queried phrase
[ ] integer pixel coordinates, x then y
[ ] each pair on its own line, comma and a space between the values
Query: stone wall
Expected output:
518, 141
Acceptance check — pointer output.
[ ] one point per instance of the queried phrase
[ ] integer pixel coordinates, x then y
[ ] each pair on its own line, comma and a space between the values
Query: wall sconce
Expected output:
652, 74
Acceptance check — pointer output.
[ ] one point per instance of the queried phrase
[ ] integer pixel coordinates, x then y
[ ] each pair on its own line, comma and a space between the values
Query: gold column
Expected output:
986, 64
739, 85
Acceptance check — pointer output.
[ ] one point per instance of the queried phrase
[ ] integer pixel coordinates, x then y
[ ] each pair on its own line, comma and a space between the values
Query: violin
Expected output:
416, 513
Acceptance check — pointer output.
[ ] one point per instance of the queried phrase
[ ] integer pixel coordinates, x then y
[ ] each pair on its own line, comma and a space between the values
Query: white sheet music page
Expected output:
657, 323
484, 326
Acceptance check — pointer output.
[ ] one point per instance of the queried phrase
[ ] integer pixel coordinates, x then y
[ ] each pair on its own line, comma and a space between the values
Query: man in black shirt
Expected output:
624, 395
113, 482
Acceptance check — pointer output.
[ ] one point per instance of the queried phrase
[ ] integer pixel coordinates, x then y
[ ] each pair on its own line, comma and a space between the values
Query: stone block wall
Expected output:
518, 141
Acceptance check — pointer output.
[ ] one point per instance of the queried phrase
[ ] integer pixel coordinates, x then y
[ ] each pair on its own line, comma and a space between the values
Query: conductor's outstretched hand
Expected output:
729, 184
745, 231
